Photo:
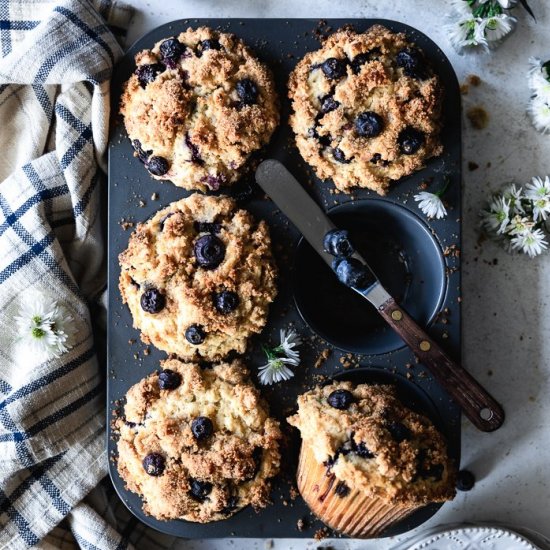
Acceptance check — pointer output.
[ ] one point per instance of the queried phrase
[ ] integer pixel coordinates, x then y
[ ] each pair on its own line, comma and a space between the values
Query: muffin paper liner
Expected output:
356, 514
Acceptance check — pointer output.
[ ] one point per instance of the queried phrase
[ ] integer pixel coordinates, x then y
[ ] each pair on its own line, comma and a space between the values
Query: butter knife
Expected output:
476, 403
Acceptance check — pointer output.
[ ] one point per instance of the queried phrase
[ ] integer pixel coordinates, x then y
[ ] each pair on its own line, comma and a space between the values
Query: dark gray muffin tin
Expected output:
423, 269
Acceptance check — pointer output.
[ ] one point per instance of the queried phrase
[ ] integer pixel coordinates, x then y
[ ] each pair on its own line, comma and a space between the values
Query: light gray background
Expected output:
506, 330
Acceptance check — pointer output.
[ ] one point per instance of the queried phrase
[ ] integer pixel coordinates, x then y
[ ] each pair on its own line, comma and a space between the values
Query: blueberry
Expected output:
342, 490
232, 503
209, 44
324, 141
215, 181
158, 166
163, 220
339, 156
337, 243
369, 124
340, 399
328, 103
412, 62
247, 91
399, 431
331, 461
334, 68
154, 464
195, 335
257, 454
410, 140
362, 450
171, 49
148, 73
226, 301
352, 273
199, 489
202, 427
209, 251
344, 449
207, 227
142, 155
195, 154
360, 59
169, 379
465, 480
152, 300
435, 471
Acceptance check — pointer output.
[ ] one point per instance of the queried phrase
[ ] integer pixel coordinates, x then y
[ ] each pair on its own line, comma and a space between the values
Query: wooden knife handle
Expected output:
478, 405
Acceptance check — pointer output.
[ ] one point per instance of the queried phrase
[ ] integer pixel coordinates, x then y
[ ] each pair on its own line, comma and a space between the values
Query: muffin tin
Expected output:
418, 259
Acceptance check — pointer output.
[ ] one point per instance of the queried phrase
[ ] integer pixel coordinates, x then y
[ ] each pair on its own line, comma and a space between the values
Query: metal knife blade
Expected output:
478, 405
307, 216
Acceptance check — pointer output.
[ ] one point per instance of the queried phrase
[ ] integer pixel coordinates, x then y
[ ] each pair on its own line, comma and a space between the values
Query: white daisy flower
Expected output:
538, 191
465, 33
519, 225
539, 110
289, 340
45, 328
497, 217
514, 195
530, 242
431, 204
539, 78
495, 28
275, 370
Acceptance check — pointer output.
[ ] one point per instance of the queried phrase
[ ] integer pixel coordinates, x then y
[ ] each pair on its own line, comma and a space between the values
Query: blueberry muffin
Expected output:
196, 108
198, 278
197, 444
367, 109
366, 461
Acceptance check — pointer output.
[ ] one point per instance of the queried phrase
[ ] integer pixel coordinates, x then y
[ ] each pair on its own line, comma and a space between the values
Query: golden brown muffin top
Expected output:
201, 102
162, 257
371, 442
197, 443
356, 76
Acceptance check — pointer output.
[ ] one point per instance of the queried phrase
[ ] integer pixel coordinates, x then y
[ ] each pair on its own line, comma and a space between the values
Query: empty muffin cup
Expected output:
402, 252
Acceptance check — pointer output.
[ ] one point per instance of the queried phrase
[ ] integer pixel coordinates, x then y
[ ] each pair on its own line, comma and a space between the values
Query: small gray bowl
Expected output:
404, 254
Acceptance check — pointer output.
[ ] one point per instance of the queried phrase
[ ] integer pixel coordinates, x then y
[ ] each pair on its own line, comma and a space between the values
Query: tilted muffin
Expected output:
366, 461
198, 277
197, 444
197, 106
367, 109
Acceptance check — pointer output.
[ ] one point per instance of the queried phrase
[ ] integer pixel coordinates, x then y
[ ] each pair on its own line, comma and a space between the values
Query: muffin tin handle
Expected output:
478, 405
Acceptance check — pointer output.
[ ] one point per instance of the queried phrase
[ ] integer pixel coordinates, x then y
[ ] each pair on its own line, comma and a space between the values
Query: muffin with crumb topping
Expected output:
197, 107
197, 443
198, 278
367, 109
366, 461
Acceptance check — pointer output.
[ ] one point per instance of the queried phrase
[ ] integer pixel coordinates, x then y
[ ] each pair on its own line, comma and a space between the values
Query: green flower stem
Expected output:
489, 9
443, 190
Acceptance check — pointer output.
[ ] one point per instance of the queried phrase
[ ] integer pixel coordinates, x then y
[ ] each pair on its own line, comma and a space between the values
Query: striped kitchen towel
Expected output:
55, 65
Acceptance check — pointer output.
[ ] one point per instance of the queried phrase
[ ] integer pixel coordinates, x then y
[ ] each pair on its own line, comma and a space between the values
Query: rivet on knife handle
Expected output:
478, 405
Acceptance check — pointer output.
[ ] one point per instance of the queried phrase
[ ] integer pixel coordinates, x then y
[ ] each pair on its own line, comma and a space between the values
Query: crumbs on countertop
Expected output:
478, 117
